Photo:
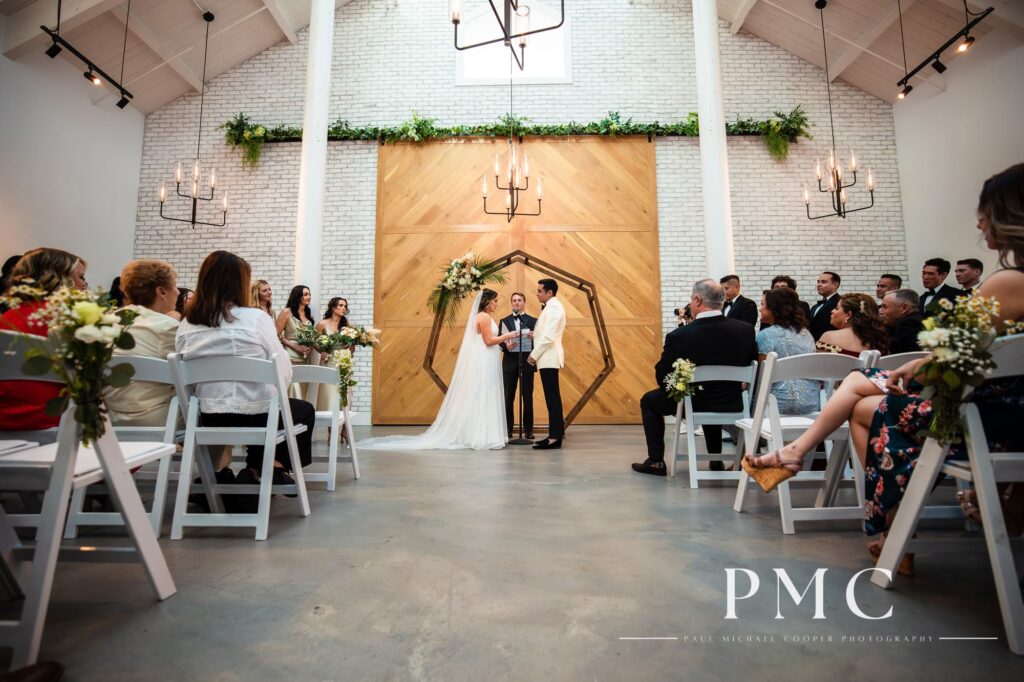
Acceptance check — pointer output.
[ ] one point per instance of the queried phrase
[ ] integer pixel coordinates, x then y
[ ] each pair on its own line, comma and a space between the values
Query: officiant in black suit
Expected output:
821, 313
513, 357
737, 306
711, 339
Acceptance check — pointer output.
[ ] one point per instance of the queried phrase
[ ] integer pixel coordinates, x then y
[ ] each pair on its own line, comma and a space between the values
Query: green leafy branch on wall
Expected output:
778, 131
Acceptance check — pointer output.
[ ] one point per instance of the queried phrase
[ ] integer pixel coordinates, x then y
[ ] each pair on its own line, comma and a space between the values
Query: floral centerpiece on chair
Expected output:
958, 336
84, 328
679, 382
343, 360
463, 275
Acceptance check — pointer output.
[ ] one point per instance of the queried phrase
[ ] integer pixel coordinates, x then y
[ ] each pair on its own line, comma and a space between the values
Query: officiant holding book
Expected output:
516, 370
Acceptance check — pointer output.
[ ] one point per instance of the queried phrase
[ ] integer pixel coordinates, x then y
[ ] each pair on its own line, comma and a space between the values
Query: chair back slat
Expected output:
224, 368
816, 366
1008, 353
741, 374
314, 374
13, 347
154, 370
891, 362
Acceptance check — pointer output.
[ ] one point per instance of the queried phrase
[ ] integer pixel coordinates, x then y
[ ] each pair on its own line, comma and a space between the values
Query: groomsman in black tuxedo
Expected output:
828, 289
513, 359
933, 277
711, 339
737, 306
968, 275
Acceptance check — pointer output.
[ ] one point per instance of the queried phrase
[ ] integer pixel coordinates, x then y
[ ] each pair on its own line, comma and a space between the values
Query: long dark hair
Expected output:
784, 305
329, 313
179, 305
223, 284
294, 299
486, 298
1002, 202
865, 322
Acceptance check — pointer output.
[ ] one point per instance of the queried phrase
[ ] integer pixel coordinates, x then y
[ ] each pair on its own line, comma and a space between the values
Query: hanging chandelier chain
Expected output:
202, 89
828, 81
124, 48
903, 42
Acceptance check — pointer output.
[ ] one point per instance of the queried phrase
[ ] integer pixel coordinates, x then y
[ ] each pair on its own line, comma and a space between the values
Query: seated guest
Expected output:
737, 306
887, 415
933, 277
262, 296
151, 289
711, 339
5, 276
968, 274
184, 298
115, 293
887, 283
828, 288
899, 311
22, 403
790, 283
787, 335
856, 327
219, 322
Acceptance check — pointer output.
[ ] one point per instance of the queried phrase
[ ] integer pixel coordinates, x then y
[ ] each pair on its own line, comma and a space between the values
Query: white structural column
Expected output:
714, 158
313, 171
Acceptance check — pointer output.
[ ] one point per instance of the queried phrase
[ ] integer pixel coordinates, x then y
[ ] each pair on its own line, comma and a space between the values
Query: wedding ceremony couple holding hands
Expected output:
475, 413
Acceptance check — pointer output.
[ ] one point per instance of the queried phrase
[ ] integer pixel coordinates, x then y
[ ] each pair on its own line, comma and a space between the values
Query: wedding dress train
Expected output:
472, 415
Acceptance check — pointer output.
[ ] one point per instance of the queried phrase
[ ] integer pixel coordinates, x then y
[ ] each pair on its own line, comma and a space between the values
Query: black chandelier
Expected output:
517, 169
834, 184
195, 195
514, 22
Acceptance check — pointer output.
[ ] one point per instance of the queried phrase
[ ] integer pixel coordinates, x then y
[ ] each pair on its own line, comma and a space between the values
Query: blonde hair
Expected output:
140, 278
49, 269
254, 296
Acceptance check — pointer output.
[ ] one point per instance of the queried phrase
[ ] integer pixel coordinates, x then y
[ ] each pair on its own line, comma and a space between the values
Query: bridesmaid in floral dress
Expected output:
885, 418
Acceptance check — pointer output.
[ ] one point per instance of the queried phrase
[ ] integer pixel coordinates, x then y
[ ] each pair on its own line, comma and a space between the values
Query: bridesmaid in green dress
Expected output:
295, 314
334, 321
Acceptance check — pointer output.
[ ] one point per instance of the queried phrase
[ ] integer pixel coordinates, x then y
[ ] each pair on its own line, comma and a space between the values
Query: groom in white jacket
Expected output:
549, 357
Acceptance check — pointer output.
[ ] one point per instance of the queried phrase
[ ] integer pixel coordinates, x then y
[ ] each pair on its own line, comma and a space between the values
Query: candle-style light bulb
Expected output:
522, 26
177, 173
839, 173
213, 179
163, 192
540, 188
526, 165
871, 181
483, 187
195, 171
831, 158
508, 201
807, 196
195, 189
831, 182
455, 10
817, 168
496, 165
842, 197
853, 162
225, 202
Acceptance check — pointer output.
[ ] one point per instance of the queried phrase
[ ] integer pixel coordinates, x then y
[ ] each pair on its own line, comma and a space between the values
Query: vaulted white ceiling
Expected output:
165, 37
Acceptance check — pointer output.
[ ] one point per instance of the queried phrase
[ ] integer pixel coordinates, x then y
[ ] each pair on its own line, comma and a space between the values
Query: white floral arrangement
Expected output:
358, 336
679, 382
465, 274
343, 360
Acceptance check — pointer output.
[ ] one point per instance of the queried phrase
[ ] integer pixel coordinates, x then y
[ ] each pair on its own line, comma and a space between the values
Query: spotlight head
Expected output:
53, 50
91, 77
939, 66
123, 102
905, 91
966, 45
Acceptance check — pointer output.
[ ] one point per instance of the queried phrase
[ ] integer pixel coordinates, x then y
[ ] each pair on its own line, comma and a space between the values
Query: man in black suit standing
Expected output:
828, 289
711, 339
900, 313
513, 360
933, 277
737, 306
968, 275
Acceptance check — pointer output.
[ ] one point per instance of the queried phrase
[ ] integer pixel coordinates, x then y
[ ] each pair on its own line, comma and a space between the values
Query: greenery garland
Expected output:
778, 132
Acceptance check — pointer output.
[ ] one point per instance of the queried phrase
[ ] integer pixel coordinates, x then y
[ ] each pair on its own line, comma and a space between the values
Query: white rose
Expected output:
89, 334
110, 318
111, 333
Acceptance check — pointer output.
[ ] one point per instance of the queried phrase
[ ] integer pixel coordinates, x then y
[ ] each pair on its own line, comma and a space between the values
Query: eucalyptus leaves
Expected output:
778, 131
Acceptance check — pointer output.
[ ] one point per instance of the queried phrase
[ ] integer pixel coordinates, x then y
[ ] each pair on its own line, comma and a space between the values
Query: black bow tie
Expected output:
930, 292
544, 306
516, 315
823, 301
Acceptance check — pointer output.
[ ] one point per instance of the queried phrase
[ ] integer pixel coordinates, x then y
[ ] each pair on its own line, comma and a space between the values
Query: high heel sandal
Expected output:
770, 470
969, 505
906, 567
1012, 518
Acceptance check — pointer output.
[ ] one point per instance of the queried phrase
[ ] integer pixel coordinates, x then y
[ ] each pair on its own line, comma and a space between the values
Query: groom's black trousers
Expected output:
553, 400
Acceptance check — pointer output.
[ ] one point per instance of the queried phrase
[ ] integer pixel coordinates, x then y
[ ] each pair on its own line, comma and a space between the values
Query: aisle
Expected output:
514, 565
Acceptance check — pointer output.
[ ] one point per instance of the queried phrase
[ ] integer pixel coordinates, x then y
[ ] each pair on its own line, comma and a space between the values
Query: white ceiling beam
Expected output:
274, 7
741, 16
150, 40
1007, 13
23, 34
866, 39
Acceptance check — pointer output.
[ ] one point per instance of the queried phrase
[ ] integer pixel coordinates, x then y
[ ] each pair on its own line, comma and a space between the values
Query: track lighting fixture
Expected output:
91, 77
53, 50
966, 44
123, 102
939, 66
905, 91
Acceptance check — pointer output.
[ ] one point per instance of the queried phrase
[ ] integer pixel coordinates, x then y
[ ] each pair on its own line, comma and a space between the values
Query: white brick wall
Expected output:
633, 58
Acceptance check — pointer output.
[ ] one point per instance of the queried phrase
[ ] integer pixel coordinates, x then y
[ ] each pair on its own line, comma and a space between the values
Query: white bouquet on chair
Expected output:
84, 328
679, 382
358, 336
343, 359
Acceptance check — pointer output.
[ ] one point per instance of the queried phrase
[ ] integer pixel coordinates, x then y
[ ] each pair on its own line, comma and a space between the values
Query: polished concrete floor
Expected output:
521, 565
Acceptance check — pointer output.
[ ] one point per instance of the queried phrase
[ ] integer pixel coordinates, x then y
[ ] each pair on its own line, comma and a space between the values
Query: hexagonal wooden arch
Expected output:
566, 277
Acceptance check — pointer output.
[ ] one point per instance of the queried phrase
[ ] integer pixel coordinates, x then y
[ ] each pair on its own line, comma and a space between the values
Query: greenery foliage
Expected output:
778, 132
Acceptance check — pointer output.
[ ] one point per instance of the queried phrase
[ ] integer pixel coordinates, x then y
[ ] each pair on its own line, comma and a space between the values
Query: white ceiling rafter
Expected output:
866, 39
154, 43
22, 32
741, 16
274, 7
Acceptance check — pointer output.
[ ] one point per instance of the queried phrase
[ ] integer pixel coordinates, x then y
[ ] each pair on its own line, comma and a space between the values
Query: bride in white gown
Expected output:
472, 415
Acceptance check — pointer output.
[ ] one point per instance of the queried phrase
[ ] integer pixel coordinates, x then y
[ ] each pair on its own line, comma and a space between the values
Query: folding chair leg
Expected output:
44, 559
741, 492
184, 487
834, 469
266, 481
156, 516
332, 453
209, 479
905, 523
298, 475
786, 509
673, 450
691, 453
77, 507
126, 496
351, 443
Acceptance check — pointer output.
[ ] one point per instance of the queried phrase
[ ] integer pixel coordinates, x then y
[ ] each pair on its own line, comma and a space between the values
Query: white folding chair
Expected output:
685, 414
891, 362
188, 373
154, 370
56, 469
778, 429
334, 419
985, 469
